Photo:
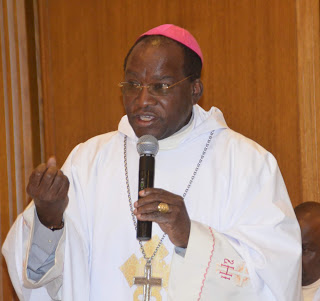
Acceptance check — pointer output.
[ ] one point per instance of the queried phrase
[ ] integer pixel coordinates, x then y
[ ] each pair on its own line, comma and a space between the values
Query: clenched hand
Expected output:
176, 222
48, 187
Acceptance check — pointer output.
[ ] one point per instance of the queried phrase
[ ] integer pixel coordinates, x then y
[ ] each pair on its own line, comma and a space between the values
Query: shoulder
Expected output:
239, 143
98, 142
244, 151
90, 151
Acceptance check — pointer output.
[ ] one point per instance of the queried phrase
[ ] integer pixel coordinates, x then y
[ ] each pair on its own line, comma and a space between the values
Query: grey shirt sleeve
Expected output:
42, 251
180, 251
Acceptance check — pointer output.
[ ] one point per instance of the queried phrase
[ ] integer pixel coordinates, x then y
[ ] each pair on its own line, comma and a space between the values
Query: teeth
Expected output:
145, 118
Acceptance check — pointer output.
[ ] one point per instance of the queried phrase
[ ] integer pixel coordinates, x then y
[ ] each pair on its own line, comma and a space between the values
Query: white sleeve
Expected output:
211, 267
16, 249
256, 257
16, 252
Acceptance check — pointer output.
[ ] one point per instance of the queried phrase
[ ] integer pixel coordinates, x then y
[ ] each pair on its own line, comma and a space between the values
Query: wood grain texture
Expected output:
250, 70
16, 130
7, 188
253, 77
309, 97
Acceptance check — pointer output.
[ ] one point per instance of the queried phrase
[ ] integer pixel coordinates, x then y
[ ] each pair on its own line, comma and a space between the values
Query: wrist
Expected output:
55, 222
54, 228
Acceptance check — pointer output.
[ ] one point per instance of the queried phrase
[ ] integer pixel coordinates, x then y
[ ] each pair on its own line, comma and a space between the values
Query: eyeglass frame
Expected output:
139, 87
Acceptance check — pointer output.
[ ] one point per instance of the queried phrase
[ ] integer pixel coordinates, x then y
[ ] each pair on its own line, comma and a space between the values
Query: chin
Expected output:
141, 132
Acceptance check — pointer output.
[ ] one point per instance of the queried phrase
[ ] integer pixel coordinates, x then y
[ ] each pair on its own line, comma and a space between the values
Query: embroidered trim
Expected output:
209, 263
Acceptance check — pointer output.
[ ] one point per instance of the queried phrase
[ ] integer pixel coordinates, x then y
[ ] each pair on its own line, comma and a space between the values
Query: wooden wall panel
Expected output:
254, 77
17, 147
309, 97
5, 178
250, 71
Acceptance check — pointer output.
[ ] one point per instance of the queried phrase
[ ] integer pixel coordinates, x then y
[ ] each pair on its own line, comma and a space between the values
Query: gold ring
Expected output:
163, 207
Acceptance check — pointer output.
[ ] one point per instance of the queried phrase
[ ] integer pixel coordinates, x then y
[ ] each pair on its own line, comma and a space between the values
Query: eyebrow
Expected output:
130, 72
165, 77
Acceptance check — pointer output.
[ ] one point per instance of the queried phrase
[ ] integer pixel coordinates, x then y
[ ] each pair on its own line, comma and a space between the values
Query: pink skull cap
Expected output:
178, 34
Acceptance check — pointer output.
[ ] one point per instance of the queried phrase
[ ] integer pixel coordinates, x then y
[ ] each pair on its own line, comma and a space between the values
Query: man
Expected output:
230, 230
308, 215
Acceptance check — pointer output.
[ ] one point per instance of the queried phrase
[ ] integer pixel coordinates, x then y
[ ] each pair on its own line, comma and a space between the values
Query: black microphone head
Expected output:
147, 145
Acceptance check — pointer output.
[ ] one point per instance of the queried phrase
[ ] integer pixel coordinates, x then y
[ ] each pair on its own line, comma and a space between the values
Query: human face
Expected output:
160, 116
310, 232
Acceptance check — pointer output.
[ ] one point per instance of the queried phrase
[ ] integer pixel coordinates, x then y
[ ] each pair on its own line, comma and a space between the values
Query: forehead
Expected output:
156, 56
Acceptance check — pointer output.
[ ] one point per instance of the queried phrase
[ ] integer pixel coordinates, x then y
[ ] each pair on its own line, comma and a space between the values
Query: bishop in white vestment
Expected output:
243, 240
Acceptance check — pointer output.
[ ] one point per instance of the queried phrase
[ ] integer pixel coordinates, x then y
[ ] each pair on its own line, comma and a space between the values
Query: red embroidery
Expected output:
225, 272
228, 261
238, 273
210, 259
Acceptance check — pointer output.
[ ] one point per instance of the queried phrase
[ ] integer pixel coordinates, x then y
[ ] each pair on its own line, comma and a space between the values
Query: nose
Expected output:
144, 98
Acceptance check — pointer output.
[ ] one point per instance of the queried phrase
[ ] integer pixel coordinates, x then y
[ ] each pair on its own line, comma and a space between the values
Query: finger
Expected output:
35, 179
147, 200
56, 183
52, 161
162, 197
169, 218
38, 173
46, 183
148, 191
150, 199
157, 192
50, 175
156, 217
149, 208
62, 187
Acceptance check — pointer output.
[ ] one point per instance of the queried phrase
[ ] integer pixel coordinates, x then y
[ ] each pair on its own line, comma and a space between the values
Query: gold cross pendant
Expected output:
147, 281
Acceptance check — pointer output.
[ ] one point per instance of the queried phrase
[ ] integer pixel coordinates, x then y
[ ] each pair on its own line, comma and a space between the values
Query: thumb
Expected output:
52, 161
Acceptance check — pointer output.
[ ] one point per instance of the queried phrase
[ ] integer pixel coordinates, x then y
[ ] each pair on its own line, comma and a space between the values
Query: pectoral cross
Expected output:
147, 281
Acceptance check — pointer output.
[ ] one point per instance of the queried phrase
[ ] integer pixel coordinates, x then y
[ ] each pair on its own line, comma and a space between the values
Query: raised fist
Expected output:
48, 187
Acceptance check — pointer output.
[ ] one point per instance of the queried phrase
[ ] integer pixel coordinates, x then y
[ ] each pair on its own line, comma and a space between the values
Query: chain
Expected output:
184, 195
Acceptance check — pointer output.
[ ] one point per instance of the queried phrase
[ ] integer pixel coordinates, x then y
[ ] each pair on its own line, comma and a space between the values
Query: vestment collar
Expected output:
202, 122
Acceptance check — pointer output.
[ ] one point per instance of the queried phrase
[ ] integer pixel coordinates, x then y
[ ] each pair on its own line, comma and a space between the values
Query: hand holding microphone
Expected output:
147, 148
168, 210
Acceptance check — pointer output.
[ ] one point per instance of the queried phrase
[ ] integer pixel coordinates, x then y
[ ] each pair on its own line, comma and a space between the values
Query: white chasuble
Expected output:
244, 242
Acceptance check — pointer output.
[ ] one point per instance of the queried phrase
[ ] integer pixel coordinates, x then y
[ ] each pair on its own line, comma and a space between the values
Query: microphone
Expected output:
147, 148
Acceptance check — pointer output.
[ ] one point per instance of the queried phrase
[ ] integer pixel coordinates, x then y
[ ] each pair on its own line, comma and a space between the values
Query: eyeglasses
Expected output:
156, 89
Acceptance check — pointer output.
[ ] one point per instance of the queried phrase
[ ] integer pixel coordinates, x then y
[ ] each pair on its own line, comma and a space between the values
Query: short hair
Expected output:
308, 206
192, 64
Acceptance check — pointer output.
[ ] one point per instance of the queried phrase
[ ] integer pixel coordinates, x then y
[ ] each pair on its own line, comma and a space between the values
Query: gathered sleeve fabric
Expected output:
254, 252
16, 250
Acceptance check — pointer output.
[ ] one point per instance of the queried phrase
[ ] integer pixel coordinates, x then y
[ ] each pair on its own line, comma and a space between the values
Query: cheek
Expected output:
176, 115
180, 105
128, 103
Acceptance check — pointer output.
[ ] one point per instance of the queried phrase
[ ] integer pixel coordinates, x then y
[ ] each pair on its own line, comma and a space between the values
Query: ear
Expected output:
197, 90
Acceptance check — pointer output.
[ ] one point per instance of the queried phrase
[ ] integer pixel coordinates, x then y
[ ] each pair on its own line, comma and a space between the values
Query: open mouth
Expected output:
146, 117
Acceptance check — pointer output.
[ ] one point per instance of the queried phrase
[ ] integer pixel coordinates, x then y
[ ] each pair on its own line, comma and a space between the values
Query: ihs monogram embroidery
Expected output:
229, 270
135, 267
